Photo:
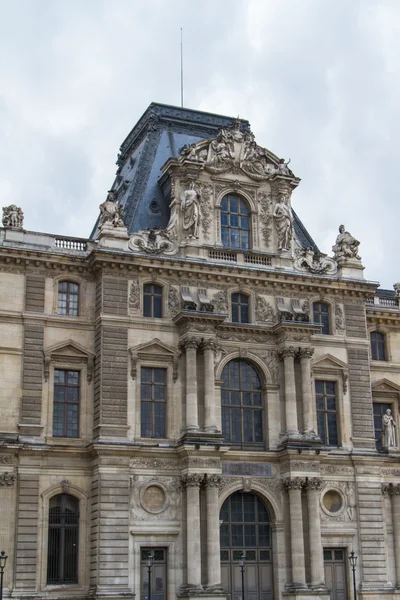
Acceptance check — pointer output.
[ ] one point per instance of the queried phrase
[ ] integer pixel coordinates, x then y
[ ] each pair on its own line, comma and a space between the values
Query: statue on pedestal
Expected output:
346, 246
283, 220
388, 430
191, 212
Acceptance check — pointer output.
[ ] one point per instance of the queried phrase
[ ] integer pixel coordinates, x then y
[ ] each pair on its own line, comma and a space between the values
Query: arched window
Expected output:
68, 298
152, 300
377, 345
246, 528
241, 404
62, 552
235, 223
321, 316
240, 308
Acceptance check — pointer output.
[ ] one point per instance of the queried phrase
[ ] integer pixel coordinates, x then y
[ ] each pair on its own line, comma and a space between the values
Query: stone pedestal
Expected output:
350, 268
113, 237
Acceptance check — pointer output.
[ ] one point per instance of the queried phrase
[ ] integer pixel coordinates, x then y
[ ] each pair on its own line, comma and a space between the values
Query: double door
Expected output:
158, 574
336, 572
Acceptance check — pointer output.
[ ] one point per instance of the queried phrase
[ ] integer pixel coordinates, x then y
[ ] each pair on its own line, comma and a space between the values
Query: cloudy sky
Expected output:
318, 80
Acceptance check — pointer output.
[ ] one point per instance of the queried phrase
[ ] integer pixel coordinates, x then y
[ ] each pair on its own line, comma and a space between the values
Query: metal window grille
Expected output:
63, 538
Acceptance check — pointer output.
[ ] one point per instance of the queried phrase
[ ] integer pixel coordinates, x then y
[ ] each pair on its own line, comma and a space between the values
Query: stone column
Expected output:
287, 355
192, 419
294, 486
313, 487
209, 347
305, 355
212, 483
394, 491
192, 482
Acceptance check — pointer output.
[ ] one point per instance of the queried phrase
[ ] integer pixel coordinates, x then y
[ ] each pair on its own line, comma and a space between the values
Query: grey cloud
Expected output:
317, 80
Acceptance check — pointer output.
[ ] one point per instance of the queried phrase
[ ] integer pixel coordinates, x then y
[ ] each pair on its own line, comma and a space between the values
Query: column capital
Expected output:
394, 489
212, 480
285, 352
306, 352
191, 342
314, 484
209, 344
192, 480
294, 483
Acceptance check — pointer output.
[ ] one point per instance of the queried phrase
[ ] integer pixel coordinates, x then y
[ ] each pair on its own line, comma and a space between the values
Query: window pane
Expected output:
235, 313
321, 427
147, 306
157, 307
234, 204
159, 420
159, 375
332, 428
145, 375
244, 314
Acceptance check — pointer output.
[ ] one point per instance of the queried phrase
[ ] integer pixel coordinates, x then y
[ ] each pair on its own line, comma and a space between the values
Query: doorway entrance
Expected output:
158, 574
246, 528
335, 572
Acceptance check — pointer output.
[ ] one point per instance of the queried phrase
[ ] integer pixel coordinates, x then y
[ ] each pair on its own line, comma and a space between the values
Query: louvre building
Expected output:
195, 398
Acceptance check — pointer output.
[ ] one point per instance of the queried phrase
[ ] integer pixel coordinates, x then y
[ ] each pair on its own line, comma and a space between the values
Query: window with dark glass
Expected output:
321, 316
68, 298
240, 308
152, 300
62, 551
380, 409
377, 346
235, 223
325, 393
241, 404
66, 404
153, 399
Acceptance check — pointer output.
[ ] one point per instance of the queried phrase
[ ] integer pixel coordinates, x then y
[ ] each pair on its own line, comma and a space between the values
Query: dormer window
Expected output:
235, 223
68, 298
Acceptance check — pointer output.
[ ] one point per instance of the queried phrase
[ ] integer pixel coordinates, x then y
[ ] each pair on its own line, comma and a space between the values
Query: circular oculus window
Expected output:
153, 498
332, 502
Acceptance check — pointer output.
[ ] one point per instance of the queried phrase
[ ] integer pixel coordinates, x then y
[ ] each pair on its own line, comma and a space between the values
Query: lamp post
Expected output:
353, 562
242, 564
3, 560
149, 563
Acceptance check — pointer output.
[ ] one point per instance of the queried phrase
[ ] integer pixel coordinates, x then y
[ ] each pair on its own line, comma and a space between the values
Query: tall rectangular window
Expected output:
321, 316
325, 393
68, 298
66, 404
379, 410
152, 300
240, 308
153, 399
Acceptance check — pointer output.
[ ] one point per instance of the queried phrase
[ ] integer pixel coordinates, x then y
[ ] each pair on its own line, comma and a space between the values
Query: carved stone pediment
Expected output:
157, 351
385, 386
71, 352
236, 151
331, 365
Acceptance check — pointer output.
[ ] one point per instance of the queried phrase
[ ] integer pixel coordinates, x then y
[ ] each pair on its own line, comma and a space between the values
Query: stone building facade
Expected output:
196, 381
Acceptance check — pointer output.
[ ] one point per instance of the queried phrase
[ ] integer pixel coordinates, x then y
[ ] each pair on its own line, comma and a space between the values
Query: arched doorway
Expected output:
246, 527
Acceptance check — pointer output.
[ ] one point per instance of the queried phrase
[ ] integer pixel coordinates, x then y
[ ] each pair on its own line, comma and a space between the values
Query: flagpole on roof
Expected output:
181, 70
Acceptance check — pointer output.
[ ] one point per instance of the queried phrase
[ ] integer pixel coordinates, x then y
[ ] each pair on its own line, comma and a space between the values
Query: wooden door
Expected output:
336, 572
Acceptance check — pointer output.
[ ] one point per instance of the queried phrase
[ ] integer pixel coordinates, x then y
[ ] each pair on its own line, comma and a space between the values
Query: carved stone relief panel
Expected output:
338, 501
134, 297
155, 498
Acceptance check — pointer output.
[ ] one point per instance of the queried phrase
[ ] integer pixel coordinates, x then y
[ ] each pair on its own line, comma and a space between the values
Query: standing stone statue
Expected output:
283, 221
346, 246
388, 430
191, 212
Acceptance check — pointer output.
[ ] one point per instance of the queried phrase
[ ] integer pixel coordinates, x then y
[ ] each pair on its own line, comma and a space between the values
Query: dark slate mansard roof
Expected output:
161, 133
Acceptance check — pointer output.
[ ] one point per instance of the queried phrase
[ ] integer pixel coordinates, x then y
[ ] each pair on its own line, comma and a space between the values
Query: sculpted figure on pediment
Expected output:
283, 219
13, 216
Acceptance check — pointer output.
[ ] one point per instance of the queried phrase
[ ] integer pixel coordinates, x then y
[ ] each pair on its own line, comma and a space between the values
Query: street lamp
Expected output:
353, 562
149, 563
3, 560
242, 563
